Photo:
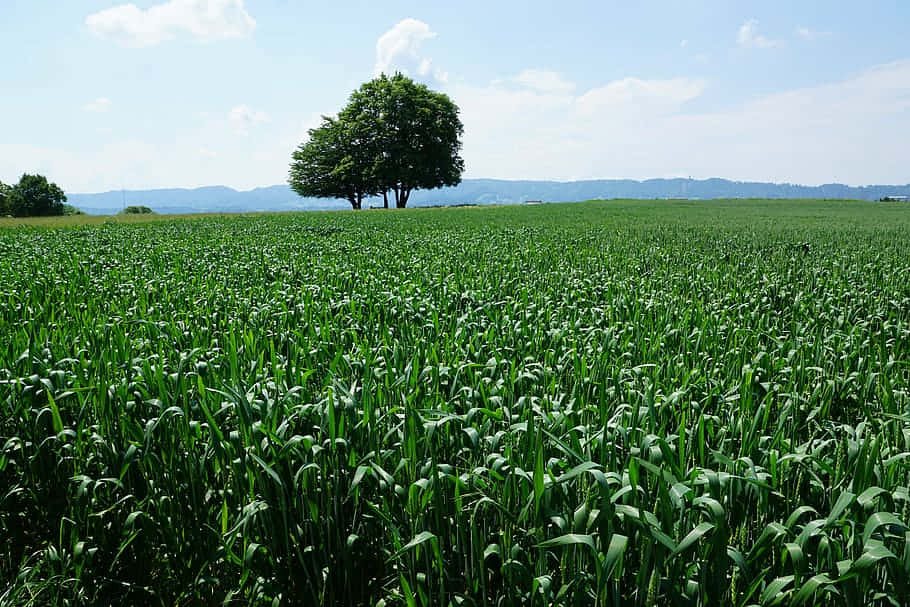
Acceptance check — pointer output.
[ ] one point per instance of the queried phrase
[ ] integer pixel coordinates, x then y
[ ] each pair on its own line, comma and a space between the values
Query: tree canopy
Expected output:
394, 136
5, 192
334, 163
33, 196
137, 210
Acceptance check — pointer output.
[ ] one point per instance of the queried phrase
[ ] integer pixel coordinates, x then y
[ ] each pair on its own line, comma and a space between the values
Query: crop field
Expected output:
605, 403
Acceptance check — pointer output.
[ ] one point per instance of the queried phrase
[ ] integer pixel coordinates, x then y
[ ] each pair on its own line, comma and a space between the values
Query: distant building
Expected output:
893, 199
533, 201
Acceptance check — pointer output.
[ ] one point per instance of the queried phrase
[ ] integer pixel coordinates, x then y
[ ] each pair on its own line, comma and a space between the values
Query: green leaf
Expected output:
796, 556
614, 553
268, 469
774, 592
797, 514
538, 475
843, 501
358, 477
56, 420
808, 589
871, 556
693, 536
419, 539
880, 519
569, 539
866, 499
250, 553
577, 470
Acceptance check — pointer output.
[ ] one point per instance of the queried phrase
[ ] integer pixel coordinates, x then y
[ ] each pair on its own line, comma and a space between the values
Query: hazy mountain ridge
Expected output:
212, 199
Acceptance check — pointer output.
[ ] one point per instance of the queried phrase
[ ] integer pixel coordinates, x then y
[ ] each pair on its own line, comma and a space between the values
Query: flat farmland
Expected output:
603, 403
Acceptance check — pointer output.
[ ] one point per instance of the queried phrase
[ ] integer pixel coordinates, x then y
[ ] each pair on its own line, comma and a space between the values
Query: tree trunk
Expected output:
355, 202
402, 201
385, 199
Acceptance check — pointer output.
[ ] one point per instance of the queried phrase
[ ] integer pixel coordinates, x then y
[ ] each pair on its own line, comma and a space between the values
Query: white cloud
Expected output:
641, 128
535, 132
202, 19
544, 81
635, 94
101, 104
808, 34
748, 37
243, 118
207, 153
106, 167
399, 50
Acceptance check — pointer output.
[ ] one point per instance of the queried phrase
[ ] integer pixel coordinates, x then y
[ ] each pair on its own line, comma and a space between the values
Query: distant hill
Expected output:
221, 199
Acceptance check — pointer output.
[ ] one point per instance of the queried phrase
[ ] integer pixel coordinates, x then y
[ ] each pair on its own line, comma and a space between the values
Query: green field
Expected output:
605, 403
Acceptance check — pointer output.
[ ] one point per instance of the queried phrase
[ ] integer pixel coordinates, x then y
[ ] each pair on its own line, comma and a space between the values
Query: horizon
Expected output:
181, 94
553, 181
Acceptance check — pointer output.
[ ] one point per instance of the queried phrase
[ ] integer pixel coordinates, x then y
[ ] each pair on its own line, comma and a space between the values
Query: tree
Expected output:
393, 136
137, 210
333, 163
70, 210
33, 196
414, 135
5, 192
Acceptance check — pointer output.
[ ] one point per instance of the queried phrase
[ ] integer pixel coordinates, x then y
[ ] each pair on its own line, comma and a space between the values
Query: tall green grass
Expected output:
596, 404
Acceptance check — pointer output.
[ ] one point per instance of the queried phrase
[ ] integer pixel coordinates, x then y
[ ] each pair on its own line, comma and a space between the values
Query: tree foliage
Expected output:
70, 210
394, 136
5, 192
33, 196
415, 135
137, 210
334, 163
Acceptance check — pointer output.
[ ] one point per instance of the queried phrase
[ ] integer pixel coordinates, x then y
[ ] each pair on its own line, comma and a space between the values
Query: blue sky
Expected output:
101, 94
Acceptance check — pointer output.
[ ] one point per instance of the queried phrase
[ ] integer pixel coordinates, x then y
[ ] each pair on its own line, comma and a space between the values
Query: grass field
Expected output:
606, 403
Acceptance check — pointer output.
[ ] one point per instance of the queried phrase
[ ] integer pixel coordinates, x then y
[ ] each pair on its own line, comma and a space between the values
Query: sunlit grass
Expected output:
622, 403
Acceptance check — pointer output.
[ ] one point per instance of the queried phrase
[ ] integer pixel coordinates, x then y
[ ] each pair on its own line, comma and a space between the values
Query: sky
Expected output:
102, 94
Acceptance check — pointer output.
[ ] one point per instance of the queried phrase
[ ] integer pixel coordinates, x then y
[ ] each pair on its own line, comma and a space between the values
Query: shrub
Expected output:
137, 210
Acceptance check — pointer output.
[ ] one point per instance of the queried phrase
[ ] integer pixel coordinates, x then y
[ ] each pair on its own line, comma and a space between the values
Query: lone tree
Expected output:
334, 163
394, 136
33, 196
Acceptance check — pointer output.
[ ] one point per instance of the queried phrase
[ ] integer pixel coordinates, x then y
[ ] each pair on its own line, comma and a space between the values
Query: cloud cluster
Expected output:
539, 124
532, 131
400, 50
545, 81
641, 128
748, 37
201, 19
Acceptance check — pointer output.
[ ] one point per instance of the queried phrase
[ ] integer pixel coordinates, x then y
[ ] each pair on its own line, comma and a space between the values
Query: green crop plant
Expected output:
608, 403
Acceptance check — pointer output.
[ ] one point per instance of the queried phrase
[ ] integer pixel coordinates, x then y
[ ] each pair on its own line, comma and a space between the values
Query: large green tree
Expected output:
414, 134
34, 196
333, 163
393, 137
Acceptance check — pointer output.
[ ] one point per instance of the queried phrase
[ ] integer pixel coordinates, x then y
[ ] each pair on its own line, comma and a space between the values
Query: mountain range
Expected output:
222, 199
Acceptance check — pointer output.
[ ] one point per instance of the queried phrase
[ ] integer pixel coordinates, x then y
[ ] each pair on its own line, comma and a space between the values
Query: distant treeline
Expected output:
473, 191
